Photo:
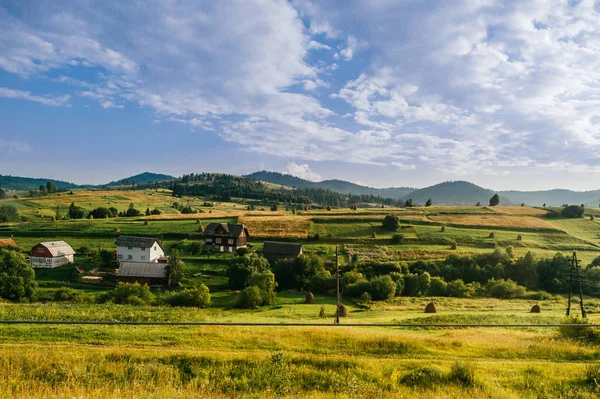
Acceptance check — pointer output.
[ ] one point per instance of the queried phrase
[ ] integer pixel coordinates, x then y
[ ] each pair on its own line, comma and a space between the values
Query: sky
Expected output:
384, 93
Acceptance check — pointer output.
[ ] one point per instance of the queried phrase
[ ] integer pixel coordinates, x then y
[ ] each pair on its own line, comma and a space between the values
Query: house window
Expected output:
143, 258
155, 247
40, 250
143, 248
209, 240
218, 240
230, 241
120, 256
130, 248
129, 257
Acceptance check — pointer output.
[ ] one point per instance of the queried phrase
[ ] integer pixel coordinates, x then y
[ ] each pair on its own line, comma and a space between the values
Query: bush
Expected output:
424, 377
398, 238
391, 223
592, 375
504, 289
577, 333
572, 211
463, 374
382, 288
374, 268
101, 213
70, 295
458, 289
249, 298
437, 287
129, 294
8, 213
265, 282
357, 289
197, 297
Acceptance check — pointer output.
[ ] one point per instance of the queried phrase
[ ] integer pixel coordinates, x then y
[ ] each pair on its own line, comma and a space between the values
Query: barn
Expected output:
273, 250
51, 254
148, 273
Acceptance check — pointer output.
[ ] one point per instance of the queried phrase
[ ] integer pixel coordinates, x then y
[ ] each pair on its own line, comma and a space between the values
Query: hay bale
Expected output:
91, 217
105, 216
54, 218
342, 311
330, 235
592, 218
443, 229
374, 235
201, 229
454, 245
146, 223
535, 309
116, 230
197, 221
430, 308
293, 211
491, 235
322, 313
309, 299
519, 237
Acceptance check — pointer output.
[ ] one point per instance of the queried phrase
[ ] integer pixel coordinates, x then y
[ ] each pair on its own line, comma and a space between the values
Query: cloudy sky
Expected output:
505, 94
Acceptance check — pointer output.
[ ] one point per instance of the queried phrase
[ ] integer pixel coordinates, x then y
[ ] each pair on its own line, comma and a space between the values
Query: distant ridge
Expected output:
338, 186
454, 193
30, 183
142, 178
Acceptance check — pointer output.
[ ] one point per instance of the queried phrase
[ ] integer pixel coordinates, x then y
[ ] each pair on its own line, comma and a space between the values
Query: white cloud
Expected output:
351, 46
314, 45
56, 101
302, 171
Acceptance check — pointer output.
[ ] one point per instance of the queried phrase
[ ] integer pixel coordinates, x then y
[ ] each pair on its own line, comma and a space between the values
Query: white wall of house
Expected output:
137, 254
39, 262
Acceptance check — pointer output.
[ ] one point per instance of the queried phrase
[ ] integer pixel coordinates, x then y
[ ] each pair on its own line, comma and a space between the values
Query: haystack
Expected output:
322, 313
535, 309
454, 245
116, 230
430, 308
491, 235
374, 235
330, 235
201, 229
519, 237
342, 311
197, 221
443, 229
309, 299
146, 223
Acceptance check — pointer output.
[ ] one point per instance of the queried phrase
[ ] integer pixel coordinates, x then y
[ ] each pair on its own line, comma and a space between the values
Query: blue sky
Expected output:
505, 94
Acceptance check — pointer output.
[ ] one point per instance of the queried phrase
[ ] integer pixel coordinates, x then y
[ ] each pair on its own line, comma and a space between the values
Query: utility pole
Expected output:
337, 278
575, 268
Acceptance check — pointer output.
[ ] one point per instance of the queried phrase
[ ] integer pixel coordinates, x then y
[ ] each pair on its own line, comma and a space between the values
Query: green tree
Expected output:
129, 294
42, 189
50, 187
428, 203
297, 273
265, 281
101, 213
197, 297
572, 211
391, 223
249, 298
438, 287
75, 212
382, 288
241, 267
409, 203
2, 194
147, 211
176, 267
16, 277
495, 200
8, 213
274, 206
131, 211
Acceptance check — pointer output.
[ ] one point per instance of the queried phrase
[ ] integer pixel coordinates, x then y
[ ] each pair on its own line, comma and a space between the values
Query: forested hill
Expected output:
454, 193
142, 178
555, 197
338, 186
29, 183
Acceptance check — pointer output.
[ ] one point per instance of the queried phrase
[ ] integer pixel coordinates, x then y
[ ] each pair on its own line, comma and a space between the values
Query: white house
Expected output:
51, 254
139, 249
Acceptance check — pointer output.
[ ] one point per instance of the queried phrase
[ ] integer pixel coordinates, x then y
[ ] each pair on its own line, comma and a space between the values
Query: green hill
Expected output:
338, 186
454, 193
142, 178
29, 183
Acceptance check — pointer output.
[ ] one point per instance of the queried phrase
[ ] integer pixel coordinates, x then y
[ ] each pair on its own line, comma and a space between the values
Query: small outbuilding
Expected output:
273, 250
51, 254
148, 273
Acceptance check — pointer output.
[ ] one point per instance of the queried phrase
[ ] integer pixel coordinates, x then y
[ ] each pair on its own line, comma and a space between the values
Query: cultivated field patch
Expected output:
276, 226
504, 221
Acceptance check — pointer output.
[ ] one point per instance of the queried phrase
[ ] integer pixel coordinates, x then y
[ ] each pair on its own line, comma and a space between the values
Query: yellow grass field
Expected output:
518, 210
215, 215
277, 226
506, 221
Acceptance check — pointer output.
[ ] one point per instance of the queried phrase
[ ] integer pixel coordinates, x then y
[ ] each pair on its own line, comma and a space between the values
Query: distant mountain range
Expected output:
447, 193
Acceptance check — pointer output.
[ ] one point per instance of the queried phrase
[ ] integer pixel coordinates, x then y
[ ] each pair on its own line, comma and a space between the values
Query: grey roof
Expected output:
142, 269
137, 242
282, 248
232, 229
58, 248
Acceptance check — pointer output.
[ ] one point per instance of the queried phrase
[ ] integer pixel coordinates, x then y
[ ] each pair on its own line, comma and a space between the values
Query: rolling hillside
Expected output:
454, 193
142, 178
338, 186
28, 183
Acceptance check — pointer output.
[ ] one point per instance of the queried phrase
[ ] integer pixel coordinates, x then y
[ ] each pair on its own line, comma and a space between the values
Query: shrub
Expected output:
249, 298
357, 289
365, 298
462, 374
382, 288
129, 294
572, 211
70, 295
458, 289
197, 297
577, 333
391, 223
265, 282
437, 287
592, 375
424, 377
398, 238
101, 213
8, 213
504, 289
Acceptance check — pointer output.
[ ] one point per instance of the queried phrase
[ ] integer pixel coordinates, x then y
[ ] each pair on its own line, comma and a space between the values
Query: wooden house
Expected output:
273, 250
226, 237
138, 249
51, 254
148, 273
